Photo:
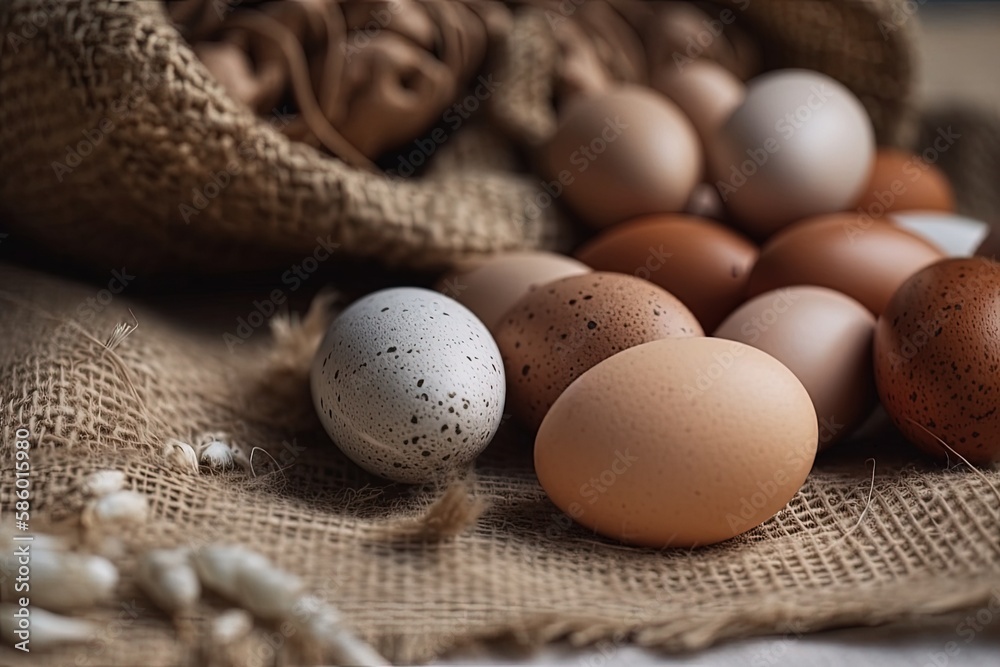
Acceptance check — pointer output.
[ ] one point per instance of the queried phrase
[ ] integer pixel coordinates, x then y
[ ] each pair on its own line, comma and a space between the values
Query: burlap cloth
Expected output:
414, 571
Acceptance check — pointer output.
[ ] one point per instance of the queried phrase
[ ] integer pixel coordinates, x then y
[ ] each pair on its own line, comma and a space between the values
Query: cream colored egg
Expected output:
678, 442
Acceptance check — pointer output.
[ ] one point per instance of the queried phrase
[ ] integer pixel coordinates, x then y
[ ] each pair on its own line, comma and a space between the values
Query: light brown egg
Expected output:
902, 181
865, 260
937, 359
559, 330
702, 263
679, 442
800, 145
706, 91
822, 336
621, 153
489, 288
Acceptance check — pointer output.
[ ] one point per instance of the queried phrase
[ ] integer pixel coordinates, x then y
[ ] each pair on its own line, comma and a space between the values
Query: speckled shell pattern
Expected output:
409, 384
559, 330
937, 359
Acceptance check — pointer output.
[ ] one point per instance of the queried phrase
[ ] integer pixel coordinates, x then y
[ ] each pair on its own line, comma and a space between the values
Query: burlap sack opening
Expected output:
492, 558
123, 201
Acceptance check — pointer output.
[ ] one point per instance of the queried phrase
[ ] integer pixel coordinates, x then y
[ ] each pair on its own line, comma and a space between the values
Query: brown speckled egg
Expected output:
561, 329
937, 359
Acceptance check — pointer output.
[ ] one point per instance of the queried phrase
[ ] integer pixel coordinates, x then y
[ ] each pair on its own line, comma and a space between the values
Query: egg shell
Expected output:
409, 384
621, 153
559, 330
705, 91
902, 181
865, 259
705, 202
955, 235
800, 145
679, 442
702, 263
822, 336
937, 359
492, 287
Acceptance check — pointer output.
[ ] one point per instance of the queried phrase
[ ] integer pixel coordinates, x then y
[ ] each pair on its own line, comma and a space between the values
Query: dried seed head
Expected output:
118, 509
250, 579
64, 580
268, 592
168, 577
219, 565
102, 482
231, 626
181, 456
47, 629
324, 625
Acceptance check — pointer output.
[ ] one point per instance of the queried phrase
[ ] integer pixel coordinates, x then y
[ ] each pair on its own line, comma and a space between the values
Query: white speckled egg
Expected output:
409, 384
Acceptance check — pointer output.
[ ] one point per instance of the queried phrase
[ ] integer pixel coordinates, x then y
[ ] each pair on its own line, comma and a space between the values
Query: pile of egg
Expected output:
678, 377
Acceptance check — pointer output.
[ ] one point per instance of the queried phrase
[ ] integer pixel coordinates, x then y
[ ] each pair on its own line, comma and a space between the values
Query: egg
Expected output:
866, 260
822, 336
800, 145
559, 330
956, 235
490, 287
619, 154
705, 91
702, 263
937, 359
678, 443
705, 202
902, 181
409, 384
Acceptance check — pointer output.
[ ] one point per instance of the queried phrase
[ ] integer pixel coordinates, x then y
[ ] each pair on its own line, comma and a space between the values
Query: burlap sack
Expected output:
112, 133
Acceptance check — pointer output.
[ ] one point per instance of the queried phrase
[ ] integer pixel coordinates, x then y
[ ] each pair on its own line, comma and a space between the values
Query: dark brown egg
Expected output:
865, 260
702, 263
559, 330
937, 359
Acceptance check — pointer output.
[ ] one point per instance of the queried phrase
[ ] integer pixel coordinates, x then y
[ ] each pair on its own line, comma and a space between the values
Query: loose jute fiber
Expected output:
415, 570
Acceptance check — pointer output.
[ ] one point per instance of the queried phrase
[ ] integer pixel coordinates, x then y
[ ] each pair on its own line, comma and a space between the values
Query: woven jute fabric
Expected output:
116, 143
927, 541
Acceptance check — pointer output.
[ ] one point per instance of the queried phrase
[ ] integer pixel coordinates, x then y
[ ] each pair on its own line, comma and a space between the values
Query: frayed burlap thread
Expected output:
421, 570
